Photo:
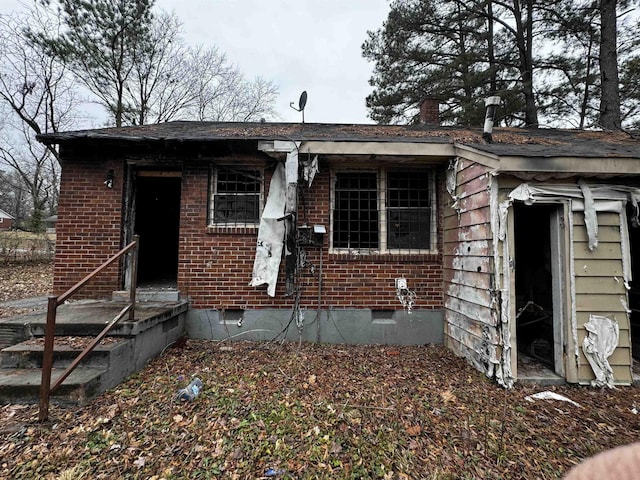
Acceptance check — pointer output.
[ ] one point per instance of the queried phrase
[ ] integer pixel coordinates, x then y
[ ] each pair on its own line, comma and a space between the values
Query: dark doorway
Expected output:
157, 223
534, 282
634, 290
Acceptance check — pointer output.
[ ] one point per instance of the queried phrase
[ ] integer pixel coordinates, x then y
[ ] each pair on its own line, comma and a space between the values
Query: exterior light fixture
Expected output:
109, 180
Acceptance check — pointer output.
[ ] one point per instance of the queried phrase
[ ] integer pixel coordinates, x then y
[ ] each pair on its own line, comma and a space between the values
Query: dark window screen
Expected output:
355, 217
408, 210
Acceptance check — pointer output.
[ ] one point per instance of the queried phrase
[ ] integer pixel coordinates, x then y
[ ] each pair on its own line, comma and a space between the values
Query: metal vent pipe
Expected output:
490, 105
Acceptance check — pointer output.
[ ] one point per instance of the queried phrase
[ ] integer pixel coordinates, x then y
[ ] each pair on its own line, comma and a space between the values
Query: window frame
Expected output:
213, 186
381, 182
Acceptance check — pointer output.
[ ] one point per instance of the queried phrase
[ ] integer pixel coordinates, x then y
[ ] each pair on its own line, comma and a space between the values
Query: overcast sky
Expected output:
311, 45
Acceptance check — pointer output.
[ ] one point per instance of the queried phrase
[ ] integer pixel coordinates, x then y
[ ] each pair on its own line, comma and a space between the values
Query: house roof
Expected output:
4, 214
506, 141
512, 149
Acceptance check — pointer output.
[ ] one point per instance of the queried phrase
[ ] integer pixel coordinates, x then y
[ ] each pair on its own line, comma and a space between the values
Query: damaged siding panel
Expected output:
475, 296
474, 341
468, 264
462, 327
470, 310
470, 279
470, 174
466, 234
600, 290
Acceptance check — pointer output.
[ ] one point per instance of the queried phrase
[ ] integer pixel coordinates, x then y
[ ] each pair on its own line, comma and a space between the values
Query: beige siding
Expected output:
600, 289
468, 263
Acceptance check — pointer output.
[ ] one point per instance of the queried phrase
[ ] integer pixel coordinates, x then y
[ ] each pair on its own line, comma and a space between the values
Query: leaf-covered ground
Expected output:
316, 411
308, 411
22, 280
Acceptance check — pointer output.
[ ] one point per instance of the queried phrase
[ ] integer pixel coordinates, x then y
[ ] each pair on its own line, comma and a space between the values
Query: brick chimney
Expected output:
430, 111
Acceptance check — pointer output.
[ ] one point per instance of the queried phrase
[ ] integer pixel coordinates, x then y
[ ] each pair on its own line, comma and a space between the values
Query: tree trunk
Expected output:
608, 58
524, 41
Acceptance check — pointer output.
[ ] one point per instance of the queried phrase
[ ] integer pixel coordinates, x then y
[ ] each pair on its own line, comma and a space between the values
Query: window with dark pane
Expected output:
408, 210
355, 216
236, 197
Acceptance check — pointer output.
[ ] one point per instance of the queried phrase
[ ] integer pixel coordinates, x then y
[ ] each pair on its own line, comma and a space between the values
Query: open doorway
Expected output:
157, 217
538, 288
634, 290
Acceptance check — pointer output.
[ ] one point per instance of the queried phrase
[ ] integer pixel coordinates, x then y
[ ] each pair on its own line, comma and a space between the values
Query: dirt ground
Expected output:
272, 410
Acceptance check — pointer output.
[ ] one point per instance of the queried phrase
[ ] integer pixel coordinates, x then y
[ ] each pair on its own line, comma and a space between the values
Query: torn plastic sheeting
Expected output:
547, 395
599, 344
271, 235
592, 198
309, 170
452, 182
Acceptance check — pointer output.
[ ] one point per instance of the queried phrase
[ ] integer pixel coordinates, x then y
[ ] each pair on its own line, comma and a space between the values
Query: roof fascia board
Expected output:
413, 149
577, 165
487, 159
276, 146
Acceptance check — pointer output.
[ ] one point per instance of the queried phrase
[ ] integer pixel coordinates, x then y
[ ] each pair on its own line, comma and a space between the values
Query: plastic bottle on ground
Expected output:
190, 392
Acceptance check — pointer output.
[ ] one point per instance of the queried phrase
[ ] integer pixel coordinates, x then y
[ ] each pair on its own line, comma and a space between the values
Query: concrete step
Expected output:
10, 334
19, 385
88, 318
126, 350
29, 354
149, 295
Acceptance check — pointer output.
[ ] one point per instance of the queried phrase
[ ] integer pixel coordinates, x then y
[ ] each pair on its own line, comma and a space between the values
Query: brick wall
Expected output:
215, 266
89, 225
6, 223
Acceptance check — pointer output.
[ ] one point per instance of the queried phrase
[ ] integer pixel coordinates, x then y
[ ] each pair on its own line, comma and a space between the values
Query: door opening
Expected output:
538, 284
634, 290
157, 218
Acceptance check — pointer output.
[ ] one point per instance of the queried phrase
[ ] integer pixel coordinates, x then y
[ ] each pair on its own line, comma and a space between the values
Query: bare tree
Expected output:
37, 96
220, 92
160, 86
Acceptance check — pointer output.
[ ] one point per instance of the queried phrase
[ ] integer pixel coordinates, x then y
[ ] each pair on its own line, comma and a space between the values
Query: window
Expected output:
408, 210
355, 215
383, 211
235, 197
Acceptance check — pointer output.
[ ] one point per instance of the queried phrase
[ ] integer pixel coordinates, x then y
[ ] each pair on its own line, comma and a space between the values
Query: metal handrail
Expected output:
46, 389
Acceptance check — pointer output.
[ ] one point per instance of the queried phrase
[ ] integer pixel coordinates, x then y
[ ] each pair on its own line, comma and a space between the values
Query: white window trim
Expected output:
213, 182
381, 175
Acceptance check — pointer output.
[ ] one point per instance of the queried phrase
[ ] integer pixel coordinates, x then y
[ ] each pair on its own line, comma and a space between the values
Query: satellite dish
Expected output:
303, 101
301, 104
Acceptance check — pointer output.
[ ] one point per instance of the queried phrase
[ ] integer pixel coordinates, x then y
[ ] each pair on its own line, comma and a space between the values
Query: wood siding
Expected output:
600, 290
470, 319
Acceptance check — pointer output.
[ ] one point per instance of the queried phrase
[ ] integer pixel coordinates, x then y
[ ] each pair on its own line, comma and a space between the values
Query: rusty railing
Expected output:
46, 389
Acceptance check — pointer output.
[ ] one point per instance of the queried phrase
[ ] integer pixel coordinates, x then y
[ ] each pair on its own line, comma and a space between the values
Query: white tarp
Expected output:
599, 344
271, 234
547, 395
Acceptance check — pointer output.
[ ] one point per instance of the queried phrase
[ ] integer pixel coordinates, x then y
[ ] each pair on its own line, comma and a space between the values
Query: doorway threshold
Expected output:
154, 293
532, 371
